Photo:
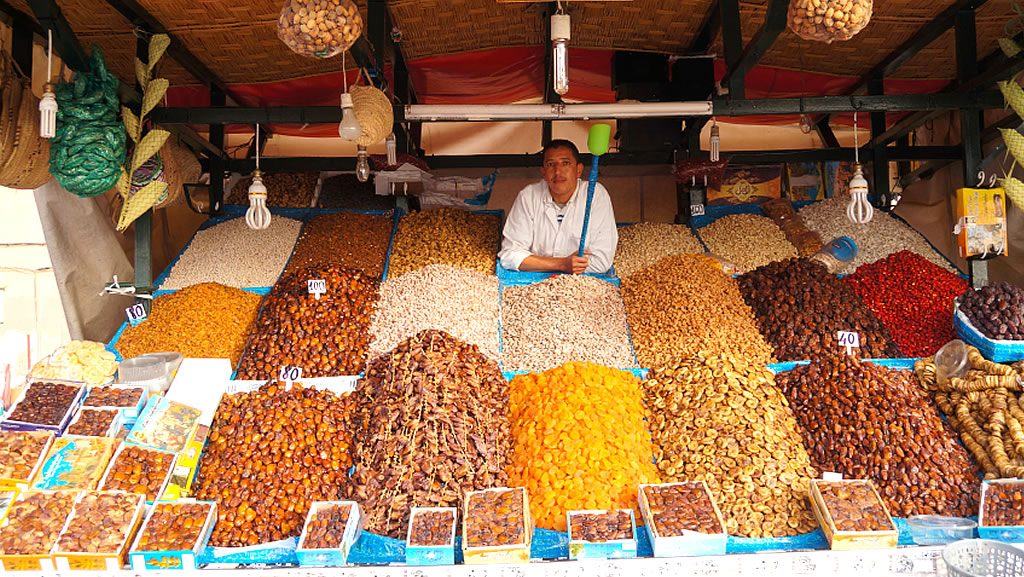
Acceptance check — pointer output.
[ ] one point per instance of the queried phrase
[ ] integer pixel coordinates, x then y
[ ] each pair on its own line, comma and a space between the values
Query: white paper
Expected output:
200, 383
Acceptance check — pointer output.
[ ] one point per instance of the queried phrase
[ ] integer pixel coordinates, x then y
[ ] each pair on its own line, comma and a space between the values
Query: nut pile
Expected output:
114, 397
101, 522
997, 310
174, 527
853, 506
875, 240
139, 470
270, 454
326, 528
986, 408
85, 361
645, 243
34, 522
430, 422
319, 28
871, 422
828, 20
327, 337
458, 301
580, 441
45, 403
93, 422
601, 527
235, 255
75, 463
348, 239
1004, 505
564, 318
780, 210
285, 189
495, 518
445, 236
432, 528
801, 308
913, 299
206, 321
718, 419
747, 240
681, 507
19, 453
671, 306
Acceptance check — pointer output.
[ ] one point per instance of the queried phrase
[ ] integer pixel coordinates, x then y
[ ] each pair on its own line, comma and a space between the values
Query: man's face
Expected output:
561, 172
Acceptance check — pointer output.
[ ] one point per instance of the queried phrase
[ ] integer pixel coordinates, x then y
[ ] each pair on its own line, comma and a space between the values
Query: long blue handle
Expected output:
590, 201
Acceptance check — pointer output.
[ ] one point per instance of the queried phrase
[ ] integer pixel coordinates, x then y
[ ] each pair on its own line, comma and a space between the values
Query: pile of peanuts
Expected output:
206, 321
326, 336
564, 318
348, 239
445, 236
429, 423
645, 243
685, 304
579, 440
871, 422
747, 240
722, 420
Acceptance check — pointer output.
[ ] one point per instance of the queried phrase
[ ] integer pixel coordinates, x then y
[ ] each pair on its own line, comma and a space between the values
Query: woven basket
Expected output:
24, 155
373, 110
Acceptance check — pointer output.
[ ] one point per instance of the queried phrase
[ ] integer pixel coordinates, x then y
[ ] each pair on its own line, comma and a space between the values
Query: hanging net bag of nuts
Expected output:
319, 28
828, 20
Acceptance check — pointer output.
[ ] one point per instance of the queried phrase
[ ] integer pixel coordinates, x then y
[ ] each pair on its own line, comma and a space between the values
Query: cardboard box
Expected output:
12, 481
180, 560
1007, 533
78, 561
75, 463
431, 554
981, 222
41, 562
113, 461
612, 549
129, 414
10, 424
336, 557
689, 544
849, 540
504, 554
115, 424
184, 472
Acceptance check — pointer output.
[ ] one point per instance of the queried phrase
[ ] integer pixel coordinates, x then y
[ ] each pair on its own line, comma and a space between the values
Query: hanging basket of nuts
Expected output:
319, 28
828, 20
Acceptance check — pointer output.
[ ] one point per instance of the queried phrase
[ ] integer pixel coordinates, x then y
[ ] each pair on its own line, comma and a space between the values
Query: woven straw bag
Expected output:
24, 155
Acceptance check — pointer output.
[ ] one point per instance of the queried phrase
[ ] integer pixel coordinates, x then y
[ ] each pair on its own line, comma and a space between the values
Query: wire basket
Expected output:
983, 558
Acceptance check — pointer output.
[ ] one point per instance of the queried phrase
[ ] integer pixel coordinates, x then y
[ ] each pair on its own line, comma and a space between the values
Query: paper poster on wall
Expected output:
838, 175
747, 184
804, 181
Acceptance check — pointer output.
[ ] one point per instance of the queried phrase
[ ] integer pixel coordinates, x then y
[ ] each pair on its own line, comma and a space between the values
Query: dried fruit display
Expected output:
326, 336
92, 422
430, 422
871, 422
495, 518
854, 506
645, 243
722, 420
747, 240
139, 470
86, 361
352, 240
34, 522
601, 527
270, 454
101, 522
432, 527
20, 451
326, 528
45, 404
580, 441
174, 527
1004, 505
445, 236
319, 28
679, 507
997, 310
122, 397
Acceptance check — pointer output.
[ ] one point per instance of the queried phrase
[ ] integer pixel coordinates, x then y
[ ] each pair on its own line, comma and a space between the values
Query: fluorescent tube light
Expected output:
491, 112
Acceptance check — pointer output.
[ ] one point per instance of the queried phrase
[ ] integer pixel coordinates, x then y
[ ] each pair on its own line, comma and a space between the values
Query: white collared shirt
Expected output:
532, 227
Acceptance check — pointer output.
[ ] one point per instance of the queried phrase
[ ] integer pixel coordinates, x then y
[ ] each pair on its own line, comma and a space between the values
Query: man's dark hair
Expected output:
562, 143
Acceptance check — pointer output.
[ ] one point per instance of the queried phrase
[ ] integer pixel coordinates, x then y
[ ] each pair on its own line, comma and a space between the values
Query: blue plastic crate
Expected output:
993, 350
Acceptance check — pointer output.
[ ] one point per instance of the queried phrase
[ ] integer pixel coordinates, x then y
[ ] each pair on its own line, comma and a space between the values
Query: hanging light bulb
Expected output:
257, 217
392, 147
805, 124
349, 128
859, 211
48, 104
560, 34
716, 142
363, 164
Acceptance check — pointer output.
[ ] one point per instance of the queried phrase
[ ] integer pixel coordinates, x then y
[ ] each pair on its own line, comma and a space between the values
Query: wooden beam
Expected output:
774, 24
64, 40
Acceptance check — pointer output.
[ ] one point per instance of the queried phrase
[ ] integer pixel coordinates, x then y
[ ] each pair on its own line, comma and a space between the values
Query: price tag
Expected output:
696, 210
850, 340
136, 314
289, 374
317, 287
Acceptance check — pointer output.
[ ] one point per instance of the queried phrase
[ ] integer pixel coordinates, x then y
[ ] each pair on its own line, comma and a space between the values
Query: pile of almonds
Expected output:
445, 236
722, 420
430, 422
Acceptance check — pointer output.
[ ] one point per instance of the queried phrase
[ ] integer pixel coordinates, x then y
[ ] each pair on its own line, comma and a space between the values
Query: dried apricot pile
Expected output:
579, 441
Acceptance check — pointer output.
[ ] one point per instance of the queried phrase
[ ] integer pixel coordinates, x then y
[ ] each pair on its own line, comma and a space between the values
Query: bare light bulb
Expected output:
349, 128
48, 113
392, 148
560, 34
805, 124
363, 164
257, 217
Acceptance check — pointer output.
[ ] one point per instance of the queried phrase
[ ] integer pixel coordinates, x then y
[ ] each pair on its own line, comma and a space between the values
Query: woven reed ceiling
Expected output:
237, 39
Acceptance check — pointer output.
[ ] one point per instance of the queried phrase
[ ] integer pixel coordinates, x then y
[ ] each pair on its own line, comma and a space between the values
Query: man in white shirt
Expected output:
543, 229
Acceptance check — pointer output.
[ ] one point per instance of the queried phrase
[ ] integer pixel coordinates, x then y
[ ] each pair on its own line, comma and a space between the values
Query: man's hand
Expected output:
576, 264
571, 264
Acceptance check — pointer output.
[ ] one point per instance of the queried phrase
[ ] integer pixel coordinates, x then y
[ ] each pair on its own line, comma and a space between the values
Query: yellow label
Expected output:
165, 562
87, 563
23, 564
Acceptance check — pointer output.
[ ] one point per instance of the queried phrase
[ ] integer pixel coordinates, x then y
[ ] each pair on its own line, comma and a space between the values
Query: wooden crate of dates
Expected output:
31, 528
602, 534
497, 526
75, 463
173, 535
431, 537
44, 406
852, 514
1002, 510
682, 519
139, 470
89, 422
129, 401
330, 531
21, 455
99, 531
